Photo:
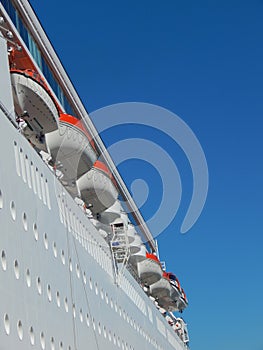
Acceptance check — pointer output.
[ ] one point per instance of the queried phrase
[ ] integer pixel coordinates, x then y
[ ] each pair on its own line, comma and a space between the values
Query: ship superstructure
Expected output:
74, 271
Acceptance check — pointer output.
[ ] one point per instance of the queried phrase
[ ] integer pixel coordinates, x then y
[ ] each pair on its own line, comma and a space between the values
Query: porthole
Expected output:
77, 270
55, 249
84, 277
20, 330
61, 346
81, 315
70, 264
99, 328
74, 310
90, 283
66, 304
87, 319
45, 239
7, 324
114, 339
52, 343
16, 269
93, 324
109, 335
13, 210
24, 221
35, 231
39, 288
96, 288
1, 200
106, 298
31, 336
49, 296
42, 341
28, 278
63, 257
101, 294
104, 332
58, 299
3, 260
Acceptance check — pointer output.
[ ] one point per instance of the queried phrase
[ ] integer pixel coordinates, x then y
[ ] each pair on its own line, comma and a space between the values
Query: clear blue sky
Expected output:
203, 60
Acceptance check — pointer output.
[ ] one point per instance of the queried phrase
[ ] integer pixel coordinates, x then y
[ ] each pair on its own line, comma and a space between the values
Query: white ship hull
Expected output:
38, 230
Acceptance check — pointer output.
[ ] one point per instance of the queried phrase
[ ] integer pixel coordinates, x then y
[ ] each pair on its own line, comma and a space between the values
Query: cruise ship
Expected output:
79, 268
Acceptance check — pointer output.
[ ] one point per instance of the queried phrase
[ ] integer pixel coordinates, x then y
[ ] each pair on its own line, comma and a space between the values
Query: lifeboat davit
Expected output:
161, 288
97, 188
149, 270
71, 148
34, 103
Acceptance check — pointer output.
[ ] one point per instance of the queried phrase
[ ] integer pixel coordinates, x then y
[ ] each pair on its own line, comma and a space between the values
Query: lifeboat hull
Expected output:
161, 288
175, 293
149, 271
182, 303
33, 102
71, 151
168, 304
111, 214
131, 233
138, 254
97, 190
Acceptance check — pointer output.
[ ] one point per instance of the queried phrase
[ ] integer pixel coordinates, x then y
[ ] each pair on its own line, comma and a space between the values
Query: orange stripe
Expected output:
63, 117
153, 257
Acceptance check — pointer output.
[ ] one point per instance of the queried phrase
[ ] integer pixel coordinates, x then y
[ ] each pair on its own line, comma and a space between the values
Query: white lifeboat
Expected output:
34, 104
161, 288
167, 303
175, 284
149, 270
131, 233
71, 148
171, 303
137, 251
111, 214
136, 244
182, 302
97, 188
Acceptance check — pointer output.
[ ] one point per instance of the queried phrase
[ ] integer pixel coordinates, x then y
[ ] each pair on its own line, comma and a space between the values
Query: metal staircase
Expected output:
119, 248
